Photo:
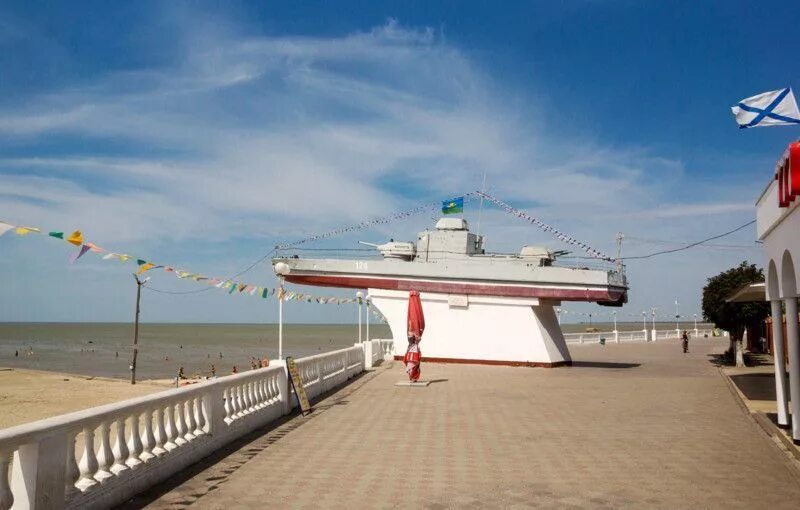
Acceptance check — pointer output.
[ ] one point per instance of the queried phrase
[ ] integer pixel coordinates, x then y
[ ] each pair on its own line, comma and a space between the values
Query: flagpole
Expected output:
480, 209
280, 319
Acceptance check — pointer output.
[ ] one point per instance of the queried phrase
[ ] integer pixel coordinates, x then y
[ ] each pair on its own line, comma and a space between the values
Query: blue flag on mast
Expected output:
774, 108
453, 206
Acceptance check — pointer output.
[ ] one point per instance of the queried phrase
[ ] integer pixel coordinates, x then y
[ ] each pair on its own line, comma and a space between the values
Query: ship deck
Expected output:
629, 425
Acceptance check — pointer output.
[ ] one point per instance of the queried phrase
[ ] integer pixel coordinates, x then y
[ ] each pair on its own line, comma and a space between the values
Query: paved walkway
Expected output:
630, 425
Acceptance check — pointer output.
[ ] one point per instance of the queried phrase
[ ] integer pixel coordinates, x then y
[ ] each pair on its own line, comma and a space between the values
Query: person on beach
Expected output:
264, 362
235, 370
181, 375
213, 371
685, 339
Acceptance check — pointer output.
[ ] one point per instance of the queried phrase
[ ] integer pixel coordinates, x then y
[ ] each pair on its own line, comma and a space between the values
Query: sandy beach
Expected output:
30, 395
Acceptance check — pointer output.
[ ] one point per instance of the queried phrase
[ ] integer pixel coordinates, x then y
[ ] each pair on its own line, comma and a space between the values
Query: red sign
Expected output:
787, 174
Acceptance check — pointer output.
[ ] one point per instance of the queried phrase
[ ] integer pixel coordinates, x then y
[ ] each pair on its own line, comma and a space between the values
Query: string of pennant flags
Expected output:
544, 226
76, 238
366, 224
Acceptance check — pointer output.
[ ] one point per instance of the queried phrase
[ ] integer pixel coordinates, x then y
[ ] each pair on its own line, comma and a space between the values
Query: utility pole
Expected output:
139, 284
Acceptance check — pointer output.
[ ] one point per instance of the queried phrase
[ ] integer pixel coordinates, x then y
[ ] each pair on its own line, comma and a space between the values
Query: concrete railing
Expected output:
103, 456
632, 336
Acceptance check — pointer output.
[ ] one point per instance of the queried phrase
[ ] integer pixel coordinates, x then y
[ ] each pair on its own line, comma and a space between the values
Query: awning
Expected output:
748, 293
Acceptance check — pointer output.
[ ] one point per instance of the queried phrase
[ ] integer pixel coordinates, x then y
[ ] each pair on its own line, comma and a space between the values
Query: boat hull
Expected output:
562, 293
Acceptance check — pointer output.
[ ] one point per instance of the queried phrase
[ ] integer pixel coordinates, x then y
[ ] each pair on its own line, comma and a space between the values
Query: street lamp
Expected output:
367, 304
644, 324
677, 319
695, 324
360, 297
653, 313
558, 315
616, 334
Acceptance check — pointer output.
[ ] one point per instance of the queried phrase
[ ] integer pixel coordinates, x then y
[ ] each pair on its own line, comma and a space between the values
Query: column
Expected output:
793, 342
780, 363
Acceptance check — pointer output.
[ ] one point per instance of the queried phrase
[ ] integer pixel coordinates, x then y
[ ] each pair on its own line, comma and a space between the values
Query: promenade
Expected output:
630, 425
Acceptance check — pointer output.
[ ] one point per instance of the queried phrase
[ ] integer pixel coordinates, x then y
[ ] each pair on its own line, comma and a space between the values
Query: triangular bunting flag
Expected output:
5, 227
59, 235
79, 254
75, 238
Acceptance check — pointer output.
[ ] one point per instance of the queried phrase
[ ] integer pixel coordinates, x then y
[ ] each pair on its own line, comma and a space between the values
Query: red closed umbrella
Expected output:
416, 326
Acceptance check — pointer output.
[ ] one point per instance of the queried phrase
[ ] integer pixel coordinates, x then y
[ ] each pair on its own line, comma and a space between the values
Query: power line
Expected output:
692, 245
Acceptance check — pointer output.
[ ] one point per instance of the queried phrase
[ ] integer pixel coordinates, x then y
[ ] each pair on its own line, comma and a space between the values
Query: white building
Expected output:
778, 227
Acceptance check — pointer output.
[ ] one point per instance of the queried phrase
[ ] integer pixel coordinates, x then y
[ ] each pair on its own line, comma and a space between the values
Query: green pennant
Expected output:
59, 235
141, 262
233, 288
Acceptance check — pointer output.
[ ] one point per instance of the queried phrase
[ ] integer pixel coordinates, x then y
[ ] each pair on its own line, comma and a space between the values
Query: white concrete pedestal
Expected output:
410, 384
479, 329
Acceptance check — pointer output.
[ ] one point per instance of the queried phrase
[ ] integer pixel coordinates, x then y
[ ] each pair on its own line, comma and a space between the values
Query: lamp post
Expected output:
359, 297
616, 334
695, 325
135, 352
653, 313
558, 315
644, 324
367, 303
677, 320
281, 269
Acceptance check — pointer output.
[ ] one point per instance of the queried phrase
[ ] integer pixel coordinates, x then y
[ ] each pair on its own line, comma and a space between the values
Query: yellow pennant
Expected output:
23, 231
145, 267
75, 238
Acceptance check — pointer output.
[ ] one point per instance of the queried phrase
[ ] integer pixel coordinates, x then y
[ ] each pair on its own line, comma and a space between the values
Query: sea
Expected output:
104, 349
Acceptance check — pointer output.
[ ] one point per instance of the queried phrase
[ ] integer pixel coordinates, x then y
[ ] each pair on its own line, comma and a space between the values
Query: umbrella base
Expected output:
413, 384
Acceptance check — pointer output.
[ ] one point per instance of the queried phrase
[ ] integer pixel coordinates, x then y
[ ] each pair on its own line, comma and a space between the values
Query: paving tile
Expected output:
664, 433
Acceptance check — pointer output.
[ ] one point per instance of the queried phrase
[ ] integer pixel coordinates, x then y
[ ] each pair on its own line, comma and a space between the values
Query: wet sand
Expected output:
30, 395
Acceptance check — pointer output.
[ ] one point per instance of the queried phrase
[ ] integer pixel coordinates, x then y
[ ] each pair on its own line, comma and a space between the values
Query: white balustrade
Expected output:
126, 447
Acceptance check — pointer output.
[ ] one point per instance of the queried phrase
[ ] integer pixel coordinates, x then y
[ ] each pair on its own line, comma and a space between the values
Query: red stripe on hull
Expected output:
351, 282
541, 364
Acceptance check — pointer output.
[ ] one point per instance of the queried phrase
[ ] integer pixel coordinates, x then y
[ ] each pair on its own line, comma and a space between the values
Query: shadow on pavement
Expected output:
603, 364
756, 386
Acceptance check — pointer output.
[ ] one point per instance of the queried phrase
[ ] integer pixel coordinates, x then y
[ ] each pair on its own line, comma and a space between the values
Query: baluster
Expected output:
233, 396
73, 472
148, 439
200, 429
161, 436
88, 465
228, 405
105, 456
180, 424
6, 496
245, 397
258, 389
191, 424
240, 400
120, 448
135, 446
169, 425
249, 395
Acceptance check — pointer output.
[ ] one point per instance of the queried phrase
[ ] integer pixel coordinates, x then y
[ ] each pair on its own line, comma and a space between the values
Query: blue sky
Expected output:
200, 136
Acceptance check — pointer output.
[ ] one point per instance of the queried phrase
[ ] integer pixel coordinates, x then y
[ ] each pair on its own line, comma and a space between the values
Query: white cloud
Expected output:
274, 136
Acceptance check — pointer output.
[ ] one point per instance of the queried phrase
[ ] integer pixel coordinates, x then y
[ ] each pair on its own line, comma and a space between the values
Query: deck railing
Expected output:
102, 456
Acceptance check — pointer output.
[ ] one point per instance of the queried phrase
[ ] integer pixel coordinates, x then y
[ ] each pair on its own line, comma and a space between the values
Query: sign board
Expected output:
458, 301
297, 384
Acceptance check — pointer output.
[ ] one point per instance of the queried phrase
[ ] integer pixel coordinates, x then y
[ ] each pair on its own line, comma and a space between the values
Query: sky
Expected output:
199, 135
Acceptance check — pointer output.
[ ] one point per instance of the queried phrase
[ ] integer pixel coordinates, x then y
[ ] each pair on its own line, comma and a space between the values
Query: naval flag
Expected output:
768, 109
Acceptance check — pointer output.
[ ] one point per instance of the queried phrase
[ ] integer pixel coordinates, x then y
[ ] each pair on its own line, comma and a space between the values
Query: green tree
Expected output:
734, 317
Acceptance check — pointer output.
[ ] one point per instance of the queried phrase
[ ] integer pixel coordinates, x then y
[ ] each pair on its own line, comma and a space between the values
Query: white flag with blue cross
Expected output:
774, 108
